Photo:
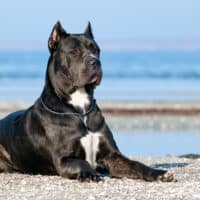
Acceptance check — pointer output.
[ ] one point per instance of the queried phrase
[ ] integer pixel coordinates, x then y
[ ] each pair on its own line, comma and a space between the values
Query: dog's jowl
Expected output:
64, 132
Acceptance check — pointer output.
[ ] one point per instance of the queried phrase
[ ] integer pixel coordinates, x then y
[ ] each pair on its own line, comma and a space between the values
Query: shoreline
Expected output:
135, 116
127, 108
149, 108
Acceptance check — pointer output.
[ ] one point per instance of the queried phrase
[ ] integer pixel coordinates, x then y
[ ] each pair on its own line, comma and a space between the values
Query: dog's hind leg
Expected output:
5, 161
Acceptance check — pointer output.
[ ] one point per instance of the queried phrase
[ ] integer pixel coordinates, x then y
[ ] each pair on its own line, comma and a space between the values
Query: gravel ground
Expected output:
186, 171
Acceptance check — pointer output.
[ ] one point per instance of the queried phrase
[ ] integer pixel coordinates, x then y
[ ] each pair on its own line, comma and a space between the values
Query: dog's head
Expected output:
74, 60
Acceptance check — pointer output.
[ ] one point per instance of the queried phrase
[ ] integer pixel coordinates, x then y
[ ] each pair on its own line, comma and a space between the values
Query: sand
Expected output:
187, 187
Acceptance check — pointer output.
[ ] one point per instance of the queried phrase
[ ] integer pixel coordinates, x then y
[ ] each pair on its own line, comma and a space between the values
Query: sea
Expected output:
129, 76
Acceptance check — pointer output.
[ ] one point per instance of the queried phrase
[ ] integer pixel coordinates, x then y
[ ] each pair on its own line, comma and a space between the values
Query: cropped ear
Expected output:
88, 31
55, 37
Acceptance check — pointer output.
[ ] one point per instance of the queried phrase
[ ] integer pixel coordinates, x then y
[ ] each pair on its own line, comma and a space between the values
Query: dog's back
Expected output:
7, 124
7, 143
17, 152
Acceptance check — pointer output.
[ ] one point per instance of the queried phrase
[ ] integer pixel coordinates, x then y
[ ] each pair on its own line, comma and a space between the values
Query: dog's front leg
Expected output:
75, 169
110, 158
120, 166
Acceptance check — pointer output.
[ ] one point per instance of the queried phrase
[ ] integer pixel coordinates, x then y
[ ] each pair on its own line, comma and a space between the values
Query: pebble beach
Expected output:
186, 171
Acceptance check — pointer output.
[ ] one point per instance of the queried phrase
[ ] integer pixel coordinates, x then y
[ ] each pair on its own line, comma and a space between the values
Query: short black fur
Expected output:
37, 141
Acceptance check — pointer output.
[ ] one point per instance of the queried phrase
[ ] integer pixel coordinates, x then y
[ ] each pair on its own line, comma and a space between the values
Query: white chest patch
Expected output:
80, 98
90, 143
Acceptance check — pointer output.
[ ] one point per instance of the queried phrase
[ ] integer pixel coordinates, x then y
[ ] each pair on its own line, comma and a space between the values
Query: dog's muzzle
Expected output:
95, 63
94, 68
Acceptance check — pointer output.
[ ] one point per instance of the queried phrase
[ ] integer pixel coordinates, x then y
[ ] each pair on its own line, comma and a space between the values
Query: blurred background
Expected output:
150, 52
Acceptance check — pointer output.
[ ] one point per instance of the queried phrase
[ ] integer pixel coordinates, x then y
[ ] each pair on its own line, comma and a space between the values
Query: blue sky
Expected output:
28, 23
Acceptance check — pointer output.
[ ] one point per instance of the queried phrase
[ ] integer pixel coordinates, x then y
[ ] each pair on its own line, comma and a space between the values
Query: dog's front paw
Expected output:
88, 175
166, 177
161, 175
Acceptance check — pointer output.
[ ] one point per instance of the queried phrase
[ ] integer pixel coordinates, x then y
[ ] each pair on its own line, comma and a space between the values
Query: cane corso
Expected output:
64, 132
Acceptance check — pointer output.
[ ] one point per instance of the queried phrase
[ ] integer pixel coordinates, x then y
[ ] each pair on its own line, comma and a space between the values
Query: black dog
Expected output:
64, 132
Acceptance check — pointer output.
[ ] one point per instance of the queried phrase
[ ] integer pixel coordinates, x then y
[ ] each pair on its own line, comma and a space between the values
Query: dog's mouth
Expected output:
89, 78
96, 80
93, 81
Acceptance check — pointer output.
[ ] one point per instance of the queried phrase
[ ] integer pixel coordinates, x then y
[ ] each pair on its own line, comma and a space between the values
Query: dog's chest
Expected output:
90, 142
80, 99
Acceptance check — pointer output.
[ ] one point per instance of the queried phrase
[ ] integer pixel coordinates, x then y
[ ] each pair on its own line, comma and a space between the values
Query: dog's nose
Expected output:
95, 63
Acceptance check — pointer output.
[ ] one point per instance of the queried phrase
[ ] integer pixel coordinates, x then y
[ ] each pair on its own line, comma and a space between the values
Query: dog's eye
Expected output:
93, 49
74, 52
98, 51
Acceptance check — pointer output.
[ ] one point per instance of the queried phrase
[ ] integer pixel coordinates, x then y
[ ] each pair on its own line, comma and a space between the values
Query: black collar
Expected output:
91, 108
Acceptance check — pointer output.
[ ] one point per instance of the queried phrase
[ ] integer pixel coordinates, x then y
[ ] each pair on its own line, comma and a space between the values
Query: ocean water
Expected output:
156, 143
148, 76
128, 75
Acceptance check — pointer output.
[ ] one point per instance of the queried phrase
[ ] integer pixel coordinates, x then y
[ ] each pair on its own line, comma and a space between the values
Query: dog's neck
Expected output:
79, 100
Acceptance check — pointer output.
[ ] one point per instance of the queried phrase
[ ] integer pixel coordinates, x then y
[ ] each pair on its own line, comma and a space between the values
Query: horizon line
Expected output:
116, 46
